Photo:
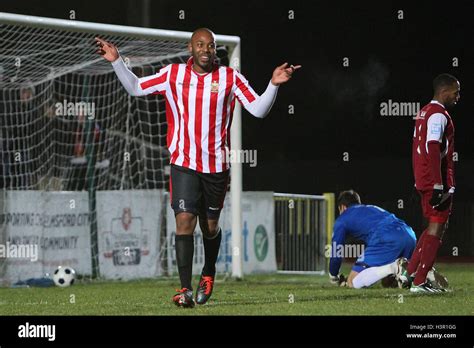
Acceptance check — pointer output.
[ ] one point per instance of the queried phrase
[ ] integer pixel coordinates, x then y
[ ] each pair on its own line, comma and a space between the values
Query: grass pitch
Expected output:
255, 295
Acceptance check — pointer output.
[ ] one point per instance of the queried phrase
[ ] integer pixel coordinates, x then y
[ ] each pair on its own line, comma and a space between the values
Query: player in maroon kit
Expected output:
200, 98
433, 166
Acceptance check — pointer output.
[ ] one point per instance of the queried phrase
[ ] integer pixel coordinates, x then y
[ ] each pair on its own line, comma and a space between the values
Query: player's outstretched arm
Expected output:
128, 79
283, 73
261, 105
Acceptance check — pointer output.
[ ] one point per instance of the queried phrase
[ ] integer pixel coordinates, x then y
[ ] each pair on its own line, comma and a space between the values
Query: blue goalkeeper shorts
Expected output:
387, 244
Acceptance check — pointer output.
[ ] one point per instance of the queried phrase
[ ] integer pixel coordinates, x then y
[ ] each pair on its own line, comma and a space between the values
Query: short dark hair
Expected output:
202, 29
442, 81
348, 198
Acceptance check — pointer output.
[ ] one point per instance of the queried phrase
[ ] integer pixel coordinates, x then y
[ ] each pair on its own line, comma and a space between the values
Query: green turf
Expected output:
256, 295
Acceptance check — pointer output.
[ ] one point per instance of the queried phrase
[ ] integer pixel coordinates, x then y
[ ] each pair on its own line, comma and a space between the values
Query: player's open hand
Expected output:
283, 73
107, 50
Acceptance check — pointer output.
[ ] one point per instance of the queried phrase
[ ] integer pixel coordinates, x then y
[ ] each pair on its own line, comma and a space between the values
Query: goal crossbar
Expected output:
112, 29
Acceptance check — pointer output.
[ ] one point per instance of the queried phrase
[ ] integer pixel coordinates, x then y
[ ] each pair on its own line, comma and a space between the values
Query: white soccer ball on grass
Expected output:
64, 276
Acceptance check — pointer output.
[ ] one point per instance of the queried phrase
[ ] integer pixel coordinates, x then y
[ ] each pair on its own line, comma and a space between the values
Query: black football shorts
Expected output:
201, 194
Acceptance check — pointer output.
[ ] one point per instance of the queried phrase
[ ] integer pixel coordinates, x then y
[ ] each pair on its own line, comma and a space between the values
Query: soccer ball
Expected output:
390, 281
64, 276
437, 280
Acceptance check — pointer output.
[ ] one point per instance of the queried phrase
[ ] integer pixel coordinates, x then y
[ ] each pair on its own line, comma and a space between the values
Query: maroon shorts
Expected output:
441, 213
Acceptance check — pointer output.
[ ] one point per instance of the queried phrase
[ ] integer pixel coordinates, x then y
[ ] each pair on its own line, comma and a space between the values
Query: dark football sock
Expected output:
415, 257
184, 245
211, 251
429, 250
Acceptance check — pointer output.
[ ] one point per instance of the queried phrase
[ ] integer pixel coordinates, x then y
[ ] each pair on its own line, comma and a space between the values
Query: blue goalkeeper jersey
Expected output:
365, 223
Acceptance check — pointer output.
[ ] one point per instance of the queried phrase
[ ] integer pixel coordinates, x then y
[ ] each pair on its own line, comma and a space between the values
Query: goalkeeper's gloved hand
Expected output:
437, 196
339, 280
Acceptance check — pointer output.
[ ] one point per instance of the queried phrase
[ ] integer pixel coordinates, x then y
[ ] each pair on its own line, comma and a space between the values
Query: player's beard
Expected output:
206, 66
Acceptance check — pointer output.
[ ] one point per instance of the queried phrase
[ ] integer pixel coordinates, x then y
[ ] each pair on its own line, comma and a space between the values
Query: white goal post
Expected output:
43, 33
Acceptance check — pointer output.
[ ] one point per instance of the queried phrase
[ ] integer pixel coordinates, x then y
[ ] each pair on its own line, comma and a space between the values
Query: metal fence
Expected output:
303, 227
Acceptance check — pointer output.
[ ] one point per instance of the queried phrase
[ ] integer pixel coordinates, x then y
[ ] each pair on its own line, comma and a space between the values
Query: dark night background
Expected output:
336, 108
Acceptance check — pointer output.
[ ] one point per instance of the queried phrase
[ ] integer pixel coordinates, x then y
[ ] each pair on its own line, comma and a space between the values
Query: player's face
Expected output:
453, 94
203, 50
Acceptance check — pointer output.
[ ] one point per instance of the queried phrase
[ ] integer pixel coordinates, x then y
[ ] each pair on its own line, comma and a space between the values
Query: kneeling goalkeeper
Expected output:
388, 241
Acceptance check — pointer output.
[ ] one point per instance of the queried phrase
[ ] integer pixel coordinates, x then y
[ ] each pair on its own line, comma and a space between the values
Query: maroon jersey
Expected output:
433, 124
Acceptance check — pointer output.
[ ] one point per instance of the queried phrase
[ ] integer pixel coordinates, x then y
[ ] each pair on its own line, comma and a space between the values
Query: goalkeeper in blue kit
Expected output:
388, 243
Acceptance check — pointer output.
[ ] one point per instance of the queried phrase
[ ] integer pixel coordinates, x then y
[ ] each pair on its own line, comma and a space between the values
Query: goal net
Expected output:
84, 166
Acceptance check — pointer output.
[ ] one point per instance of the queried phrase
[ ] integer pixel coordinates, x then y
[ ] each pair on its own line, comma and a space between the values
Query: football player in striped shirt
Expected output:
200, 98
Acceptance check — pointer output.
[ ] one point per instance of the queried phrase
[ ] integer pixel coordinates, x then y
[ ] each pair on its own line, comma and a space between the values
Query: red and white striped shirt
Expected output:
199, 111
